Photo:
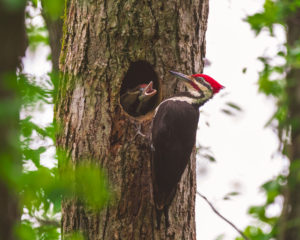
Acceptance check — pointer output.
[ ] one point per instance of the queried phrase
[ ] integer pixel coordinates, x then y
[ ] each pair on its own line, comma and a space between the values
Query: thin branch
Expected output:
221, 216
48, 222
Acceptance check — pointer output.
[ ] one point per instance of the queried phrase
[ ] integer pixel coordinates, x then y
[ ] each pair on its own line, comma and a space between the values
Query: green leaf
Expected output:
37, 35
27, 127
268, 18
234, 106
75, 236
227, 112
230, 194
13, 5
274, 87
34, 155
91, 185
256, 233
34, 3
273, 189
53, 8
25, 231
209, 157
48, 232
32, 93
220, 237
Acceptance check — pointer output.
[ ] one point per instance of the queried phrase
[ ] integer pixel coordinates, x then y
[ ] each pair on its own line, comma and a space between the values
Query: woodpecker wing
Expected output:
173, 137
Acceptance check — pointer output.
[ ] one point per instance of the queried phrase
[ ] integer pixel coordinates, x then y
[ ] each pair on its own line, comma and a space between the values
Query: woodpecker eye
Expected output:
200, 79
203, 82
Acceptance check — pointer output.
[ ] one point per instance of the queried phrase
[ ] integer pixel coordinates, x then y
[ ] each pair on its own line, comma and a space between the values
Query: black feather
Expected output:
173, 137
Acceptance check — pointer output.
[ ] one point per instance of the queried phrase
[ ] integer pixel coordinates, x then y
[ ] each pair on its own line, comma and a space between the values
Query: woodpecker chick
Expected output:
147, 93
173, 131
135, 101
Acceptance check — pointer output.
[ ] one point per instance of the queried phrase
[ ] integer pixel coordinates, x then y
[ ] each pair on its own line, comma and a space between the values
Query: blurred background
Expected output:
242, 162
246, 152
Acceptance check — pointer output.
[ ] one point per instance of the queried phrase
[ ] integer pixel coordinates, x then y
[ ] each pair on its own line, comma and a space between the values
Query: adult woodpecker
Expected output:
174, 129
135, 101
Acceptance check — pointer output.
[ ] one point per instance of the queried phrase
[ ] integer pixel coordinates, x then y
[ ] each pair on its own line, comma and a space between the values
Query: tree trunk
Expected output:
55, 31
290, 220
54, 26
108, 47
12, 48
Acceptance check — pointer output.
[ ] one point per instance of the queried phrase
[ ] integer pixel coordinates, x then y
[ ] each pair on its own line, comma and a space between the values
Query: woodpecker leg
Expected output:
138, 131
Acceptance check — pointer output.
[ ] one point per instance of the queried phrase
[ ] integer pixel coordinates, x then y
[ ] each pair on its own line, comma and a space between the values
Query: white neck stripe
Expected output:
179, 98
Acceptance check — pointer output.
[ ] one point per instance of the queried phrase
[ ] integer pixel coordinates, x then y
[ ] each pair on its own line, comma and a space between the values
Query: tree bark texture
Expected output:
290, 220
12, 49
108, 47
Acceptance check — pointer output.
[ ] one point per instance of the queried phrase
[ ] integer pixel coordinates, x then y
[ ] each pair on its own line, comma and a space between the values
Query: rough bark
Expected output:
101, 42
12, 48
290, 220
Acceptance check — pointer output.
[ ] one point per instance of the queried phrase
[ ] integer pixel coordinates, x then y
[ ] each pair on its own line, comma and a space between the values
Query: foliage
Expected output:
54, 8
13, 5
272, 82
41, 188
267, 229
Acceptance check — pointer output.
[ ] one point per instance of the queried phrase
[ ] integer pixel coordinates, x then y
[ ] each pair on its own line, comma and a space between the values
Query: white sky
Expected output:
243, 148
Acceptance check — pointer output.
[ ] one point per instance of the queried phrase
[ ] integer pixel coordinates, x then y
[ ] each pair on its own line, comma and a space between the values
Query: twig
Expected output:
221, 216
48, 222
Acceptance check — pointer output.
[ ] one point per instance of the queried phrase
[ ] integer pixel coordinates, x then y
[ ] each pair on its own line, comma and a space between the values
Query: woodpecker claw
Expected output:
139, 132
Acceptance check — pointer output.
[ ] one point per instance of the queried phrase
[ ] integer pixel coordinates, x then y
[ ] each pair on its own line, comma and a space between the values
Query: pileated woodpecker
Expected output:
174, 129
135, 100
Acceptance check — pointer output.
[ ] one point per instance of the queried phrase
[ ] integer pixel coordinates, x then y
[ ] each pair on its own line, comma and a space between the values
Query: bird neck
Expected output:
193, 98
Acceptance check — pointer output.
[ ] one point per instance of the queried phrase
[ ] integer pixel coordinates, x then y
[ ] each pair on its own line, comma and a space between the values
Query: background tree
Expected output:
12, 48
282, 81
52, 12
290, 219
109, 47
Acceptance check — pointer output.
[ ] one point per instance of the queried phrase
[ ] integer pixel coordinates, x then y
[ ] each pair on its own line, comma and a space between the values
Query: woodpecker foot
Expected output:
139, 132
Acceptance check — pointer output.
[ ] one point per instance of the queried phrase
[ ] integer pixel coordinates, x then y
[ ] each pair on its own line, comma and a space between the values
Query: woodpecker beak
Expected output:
182, 76
148, 92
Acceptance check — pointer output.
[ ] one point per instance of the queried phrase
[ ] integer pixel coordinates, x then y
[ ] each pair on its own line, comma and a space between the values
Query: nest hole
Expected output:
139, 74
